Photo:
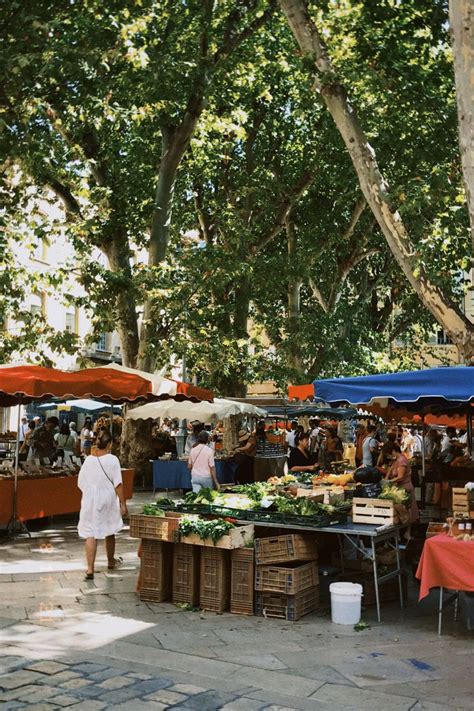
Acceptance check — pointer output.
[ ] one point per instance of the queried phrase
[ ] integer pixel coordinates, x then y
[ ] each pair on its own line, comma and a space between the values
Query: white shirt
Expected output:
290, 438
201, 460
368, 444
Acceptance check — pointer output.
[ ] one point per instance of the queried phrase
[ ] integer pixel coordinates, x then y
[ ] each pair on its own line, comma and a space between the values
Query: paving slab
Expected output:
361, 699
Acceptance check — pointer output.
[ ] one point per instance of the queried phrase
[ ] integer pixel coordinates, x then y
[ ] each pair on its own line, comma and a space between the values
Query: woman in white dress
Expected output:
103, 502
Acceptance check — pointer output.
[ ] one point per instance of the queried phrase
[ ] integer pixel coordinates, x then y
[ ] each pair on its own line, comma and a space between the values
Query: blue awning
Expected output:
437, 388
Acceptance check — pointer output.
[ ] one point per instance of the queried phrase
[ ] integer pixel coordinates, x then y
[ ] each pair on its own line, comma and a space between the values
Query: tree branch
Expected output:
70, 203
231, 42
283, 210
371, 180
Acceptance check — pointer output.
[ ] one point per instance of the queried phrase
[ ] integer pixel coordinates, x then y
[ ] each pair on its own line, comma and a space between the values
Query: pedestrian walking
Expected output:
103, 502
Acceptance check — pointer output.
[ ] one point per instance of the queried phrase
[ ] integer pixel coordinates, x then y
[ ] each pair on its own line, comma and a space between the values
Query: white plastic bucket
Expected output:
346, 601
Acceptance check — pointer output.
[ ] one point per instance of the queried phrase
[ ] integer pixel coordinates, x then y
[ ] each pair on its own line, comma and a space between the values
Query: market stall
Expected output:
447, 564
302, 510
20, 385
174, 473
47, 496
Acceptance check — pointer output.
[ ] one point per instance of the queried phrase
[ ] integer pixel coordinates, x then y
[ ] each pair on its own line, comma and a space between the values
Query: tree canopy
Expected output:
186, 143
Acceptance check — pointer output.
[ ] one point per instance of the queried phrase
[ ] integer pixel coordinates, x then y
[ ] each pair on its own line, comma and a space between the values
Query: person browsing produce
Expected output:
301, 459
201, 464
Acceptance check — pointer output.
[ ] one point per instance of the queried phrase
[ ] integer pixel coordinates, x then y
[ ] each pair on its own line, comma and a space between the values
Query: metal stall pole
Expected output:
12, 523
469, 431
423, 464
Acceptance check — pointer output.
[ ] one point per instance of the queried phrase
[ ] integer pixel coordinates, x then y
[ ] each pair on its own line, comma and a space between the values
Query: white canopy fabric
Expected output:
160, 384
200, 411
81, 404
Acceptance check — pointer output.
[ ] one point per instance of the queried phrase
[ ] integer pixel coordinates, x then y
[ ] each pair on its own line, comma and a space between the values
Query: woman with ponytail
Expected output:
103, 502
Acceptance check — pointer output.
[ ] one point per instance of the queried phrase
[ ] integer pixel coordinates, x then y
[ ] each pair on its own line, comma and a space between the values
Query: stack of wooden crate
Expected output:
286, 576
463, 502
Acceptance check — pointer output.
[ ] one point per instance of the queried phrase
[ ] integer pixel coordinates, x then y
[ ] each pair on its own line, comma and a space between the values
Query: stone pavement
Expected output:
94, 645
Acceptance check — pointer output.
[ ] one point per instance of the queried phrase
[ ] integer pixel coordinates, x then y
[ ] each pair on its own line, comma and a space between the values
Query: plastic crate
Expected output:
156, 571
285, 549
214, 589
242, 581
186, 574
287, 607
292, 579
156, 528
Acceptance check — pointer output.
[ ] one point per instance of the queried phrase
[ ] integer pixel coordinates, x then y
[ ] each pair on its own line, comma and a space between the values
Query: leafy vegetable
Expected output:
214, 530
204, 496
152, 510
164, 501
360, 626
394, 493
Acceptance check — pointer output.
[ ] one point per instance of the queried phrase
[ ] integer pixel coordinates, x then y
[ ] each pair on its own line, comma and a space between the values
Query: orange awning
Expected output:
301, 392
25, 383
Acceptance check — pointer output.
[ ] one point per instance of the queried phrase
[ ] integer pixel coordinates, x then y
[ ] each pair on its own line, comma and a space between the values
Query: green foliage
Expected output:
214, 529
94, 92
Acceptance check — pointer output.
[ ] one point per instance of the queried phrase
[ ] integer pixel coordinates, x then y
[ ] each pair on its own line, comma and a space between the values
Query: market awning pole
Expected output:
112, 421
423, 461
17, 463
469, 431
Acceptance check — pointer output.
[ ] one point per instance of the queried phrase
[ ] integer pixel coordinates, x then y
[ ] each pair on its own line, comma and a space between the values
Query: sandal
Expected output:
118, 562
89, 576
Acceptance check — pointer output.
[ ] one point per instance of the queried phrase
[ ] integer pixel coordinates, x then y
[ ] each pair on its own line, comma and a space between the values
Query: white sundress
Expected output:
100, 506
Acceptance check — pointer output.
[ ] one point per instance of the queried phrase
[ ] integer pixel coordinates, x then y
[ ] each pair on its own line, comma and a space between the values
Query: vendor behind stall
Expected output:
42, 440
301, 459
244, 457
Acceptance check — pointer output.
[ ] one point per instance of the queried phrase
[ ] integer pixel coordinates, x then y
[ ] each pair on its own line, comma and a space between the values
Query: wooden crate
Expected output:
157, 528
290, 579
238, 537
285, 549
287, 607
242, 581
186, 574
156, 571
379, 512
460, 500
214, 587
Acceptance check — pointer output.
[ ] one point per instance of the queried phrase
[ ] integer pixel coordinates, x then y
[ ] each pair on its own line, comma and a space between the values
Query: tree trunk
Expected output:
371, 181
461, 17
294, 302
118, 254
241, 317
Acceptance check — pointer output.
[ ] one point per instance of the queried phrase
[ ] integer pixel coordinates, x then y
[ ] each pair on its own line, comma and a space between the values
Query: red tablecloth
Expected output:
447, 563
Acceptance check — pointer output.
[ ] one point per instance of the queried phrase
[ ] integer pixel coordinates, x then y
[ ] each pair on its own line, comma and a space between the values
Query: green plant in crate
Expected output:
152, 510
214, 530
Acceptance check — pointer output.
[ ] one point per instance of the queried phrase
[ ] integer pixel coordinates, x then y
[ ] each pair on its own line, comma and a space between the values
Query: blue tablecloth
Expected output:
174, 474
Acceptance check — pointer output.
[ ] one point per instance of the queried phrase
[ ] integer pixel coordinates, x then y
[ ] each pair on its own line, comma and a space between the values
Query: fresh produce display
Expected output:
152, 510
214, 529
394, 493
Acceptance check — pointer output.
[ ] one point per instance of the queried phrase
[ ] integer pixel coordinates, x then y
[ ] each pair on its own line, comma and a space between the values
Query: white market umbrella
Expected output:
200, 411
81, 404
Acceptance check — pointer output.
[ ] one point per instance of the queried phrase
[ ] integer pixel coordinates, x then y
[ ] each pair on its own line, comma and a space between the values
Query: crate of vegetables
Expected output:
290, 579
217, 533
154, 524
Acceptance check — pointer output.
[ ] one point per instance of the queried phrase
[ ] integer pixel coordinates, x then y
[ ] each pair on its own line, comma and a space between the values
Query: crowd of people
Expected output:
51, 440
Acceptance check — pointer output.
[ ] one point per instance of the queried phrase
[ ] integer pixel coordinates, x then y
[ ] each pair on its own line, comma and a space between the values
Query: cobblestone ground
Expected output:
94, 645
